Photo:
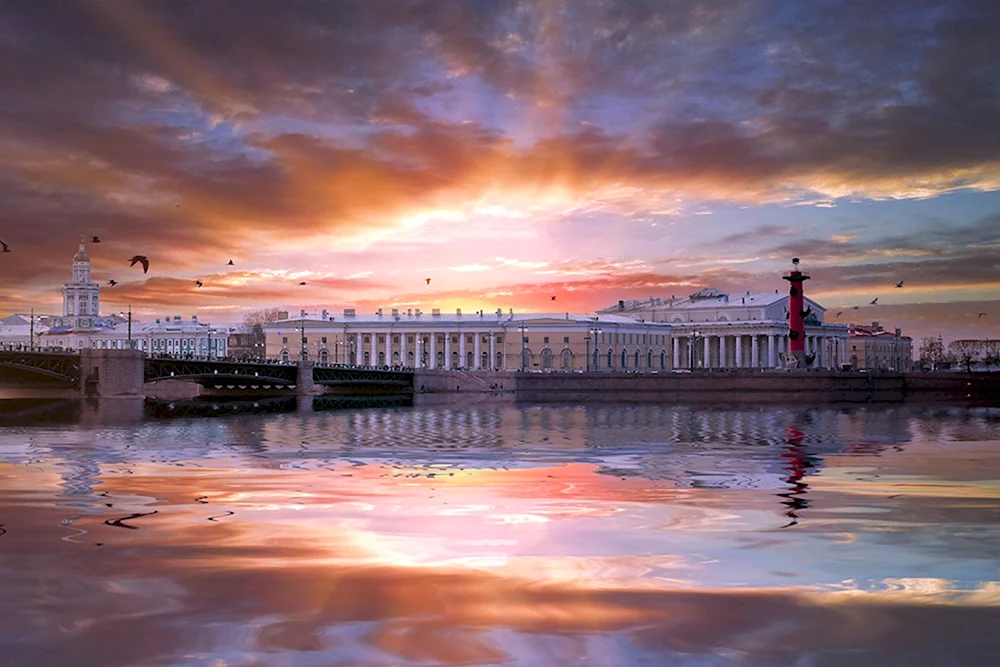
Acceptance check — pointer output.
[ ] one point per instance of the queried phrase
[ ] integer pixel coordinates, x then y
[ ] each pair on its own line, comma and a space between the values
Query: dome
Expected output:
81, 255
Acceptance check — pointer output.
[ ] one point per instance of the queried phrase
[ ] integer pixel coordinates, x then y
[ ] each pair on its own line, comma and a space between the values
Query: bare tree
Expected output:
991, 353
966, 351
254, 321
931, 352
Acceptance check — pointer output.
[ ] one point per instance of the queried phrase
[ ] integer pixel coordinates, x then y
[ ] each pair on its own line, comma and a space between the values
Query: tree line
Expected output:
967, 352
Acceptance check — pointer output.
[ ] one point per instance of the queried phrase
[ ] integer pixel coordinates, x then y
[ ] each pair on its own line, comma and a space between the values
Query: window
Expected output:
546, 358
499, 361
663, 360
366, 340
485, 340
440, 339
499, 341
485, 359
381, 340
624, 359
637, 358
611, 359
323, 340
284, 356
284, 340
470, 359
395, 340
545, 340
567, 359
566, 340
454, 340
468, 341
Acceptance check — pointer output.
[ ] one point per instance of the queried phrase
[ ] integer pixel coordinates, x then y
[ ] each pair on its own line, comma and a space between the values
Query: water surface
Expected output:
504, 535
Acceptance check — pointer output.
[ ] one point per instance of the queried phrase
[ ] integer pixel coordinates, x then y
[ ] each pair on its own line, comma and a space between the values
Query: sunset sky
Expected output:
592, 150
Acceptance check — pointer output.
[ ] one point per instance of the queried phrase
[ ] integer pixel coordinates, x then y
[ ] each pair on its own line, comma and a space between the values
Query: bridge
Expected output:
126, 372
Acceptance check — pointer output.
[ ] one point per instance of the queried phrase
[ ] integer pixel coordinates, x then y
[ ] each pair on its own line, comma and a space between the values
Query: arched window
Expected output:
546, 358
597, 358
624, 359
611, 359
409, 358
526, 358
439, 361
485, 359
567, 359
368, 358
470, 359
284, 356
649, 359
324, 356
637, 358
663, 359
395, 357
456, 361
499, 358
381, 358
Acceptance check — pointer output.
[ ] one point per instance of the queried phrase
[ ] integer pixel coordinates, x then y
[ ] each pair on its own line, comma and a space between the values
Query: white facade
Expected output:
712, 329
81, 297
479, 341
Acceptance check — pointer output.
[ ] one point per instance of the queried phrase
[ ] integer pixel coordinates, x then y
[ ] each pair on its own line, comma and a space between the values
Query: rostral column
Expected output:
796, 314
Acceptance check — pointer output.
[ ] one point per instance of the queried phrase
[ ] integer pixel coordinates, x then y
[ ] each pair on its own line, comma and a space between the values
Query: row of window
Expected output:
410, 340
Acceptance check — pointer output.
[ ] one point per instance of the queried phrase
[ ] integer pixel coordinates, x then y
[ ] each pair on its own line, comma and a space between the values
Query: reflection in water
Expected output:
507, 535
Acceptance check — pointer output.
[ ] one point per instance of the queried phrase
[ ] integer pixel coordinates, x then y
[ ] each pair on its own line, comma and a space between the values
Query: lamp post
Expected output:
595, 332
31, 332
129, 315
523, 346
693, 339
336, 350
302, 353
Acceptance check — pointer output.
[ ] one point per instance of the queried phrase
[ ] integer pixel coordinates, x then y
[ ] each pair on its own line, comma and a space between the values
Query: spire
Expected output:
81, 253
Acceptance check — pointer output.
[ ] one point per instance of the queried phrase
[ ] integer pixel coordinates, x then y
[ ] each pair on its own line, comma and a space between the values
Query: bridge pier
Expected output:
111, 373
305, 385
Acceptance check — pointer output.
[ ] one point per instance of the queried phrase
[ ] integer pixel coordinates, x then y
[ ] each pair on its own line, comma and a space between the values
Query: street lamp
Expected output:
595, 332
336, 350
693, 339
129, 314
523, 346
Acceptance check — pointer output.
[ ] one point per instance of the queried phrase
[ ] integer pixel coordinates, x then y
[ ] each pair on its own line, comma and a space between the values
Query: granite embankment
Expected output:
736, 386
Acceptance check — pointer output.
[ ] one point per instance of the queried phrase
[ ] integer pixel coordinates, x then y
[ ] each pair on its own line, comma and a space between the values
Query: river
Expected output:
504, 535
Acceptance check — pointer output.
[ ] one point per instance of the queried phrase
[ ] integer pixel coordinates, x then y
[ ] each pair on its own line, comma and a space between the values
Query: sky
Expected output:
588, 150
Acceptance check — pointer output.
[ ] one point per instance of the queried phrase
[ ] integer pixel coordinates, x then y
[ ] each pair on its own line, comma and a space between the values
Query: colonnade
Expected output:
420, 349
765, 350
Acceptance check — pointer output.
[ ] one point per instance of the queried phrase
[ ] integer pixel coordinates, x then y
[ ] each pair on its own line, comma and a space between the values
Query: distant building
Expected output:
479, 340
874, 348
713, 329
248, 346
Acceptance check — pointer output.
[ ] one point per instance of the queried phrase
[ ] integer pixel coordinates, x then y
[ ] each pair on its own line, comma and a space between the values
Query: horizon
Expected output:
509, 152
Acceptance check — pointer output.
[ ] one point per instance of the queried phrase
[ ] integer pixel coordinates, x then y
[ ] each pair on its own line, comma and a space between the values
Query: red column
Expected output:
796, 314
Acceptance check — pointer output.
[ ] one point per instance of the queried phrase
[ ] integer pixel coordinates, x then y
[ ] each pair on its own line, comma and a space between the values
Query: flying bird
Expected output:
981, 315
553, 298
899, 284
140, 259
112, 282
855, 307
873, 302
839, 313
95, 239
198, 283
428, 280
230, 263
5, 247
302, 283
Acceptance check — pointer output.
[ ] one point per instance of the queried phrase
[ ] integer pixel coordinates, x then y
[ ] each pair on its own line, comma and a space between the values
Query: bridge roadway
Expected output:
124, 372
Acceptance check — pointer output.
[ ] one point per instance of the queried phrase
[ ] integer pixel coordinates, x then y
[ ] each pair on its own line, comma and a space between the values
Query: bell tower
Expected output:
81, 296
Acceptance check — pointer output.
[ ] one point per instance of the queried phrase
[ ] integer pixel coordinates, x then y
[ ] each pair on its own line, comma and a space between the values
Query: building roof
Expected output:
81, 254
708, 298
463, 318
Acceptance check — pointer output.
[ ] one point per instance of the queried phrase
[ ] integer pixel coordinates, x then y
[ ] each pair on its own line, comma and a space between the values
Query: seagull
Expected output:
873, 302
198, 283
5, 247
140, 259
230, 263
839, 313
553, 298
95, 239
855, 307
302, 283
899, 284
112, 282
428, 280
981, 315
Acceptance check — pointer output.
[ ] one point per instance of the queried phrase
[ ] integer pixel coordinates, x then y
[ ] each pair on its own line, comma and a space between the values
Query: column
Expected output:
476, 363
447, 351
771, 357
754, 351
677, 352
706, 362
722, 352
493, 352
402, 348
374, 359
358, 351
432, 359
739, 351
461, 348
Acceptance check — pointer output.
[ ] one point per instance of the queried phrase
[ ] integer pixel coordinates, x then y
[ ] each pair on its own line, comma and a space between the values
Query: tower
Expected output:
796, 314
81, 297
